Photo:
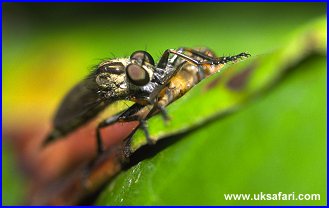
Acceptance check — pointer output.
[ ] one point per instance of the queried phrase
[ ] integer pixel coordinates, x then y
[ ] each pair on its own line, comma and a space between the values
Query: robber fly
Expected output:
151, 86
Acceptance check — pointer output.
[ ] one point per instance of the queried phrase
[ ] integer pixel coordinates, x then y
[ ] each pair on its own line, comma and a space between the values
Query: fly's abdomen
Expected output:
189, 74
181, 83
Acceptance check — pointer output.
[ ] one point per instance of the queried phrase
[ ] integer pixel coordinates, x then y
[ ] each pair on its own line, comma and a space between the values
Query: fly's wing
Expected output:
79, 106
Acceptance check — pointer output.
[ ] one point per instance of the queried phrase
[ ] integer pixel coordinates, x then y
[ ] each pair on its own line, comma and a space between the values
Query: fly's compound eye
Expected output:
142, 57
137, 75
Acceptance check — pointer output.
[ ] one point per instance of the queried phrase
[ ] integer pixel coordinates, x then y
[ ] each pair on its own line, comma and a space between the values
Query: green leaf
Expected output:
277, 144
264, 146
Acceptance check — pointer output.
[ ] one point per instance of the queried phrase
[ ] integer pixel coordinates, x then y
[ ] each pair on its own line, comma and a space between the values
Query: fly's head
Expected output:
140, 77
127, 78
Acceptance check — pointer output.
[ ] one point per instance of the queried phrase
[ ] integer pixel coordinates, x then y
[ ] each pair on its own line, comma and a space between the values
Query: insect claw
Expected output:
243, 55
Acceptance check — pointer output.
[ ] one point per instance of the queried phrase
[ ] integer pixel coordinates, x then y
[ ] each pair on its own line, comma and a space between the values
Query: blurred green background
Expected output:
276, 144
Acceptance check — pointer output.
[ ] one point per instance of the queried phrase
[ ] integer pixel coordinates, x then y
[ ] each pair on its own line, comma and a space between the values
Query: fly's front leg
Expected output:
210, 57
204, 53
207, 60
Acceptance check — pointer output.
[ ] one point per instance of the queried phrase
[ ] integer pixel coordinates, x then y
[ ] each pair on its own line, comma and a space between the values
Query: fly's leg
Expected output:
144, 127
104, 123
121, 118
203, 53
212, 59
128, 115
206, 60
163, 112
134, 113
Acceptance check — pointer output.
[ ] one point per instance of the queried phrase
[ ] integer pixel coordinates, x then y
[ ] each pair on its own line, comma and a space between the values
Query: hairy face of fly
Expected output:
122, 77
